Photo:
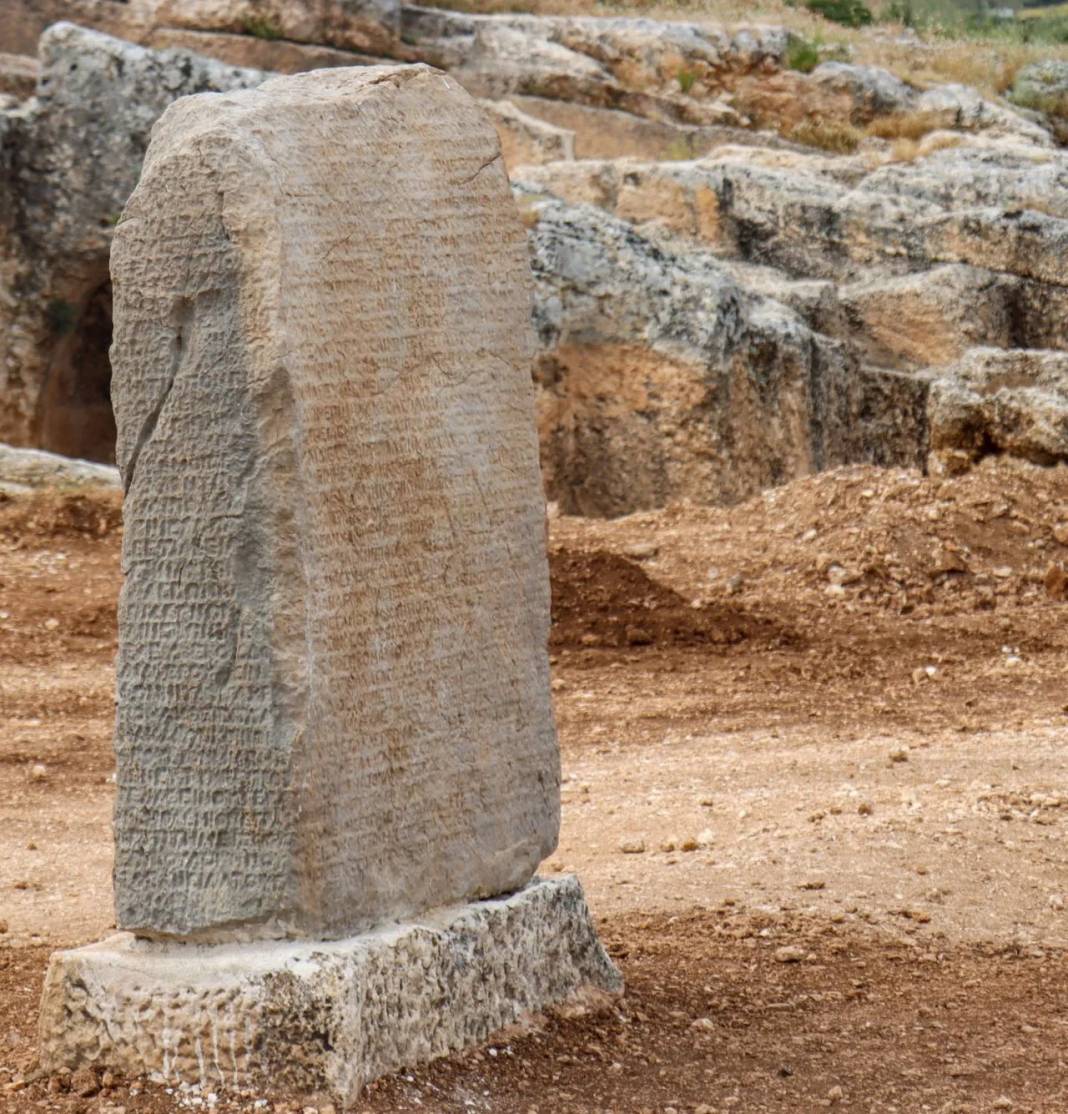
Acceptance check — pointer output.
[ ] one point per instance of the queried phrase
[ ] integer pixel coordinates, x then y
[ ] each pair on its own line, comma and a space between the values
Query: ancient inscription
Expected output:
333, 690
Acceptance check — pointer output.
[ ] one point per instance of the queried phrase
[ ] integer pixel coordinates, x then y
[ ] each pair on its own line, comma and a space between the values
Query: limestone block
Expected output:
993, 402
661, 378
871, 90
332, 681
276, 56
323, 1016
664, 70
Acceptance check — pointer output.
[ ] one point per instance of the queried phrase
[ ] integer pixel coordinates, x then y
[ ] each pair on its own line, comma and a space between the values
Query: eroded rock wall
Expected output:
900, 257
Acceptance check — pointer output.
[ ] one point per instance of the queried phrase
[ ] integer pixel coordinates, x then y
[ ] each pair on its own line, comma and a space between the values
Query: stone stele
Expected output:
334, 734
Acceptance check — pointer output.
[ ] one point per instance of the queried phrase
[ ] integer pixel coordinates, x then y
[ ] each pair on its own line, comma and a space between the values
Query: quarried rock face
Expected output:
907, 265
661, 378
996, 401
332, 684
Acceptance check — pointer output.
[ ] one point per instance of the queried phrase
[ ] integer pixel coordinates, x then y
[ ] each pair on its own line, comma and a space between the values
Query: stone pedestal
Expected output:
324, 1015
334, 737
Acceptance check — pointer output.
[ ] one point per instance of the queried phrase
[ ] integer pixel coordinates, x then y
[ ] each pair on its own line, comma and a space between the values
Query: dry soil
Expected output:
815, 757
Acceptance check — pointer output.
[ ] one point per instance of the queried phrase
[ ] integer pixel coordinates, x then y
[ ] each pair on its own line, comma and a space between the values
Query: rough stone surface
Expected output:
908, 265
881, 250
18, 76
1043, 87
817, 217
873, 91
323, 1016
252, 52
653, 68
607, 133
661, 378
70, 158
365, 25
23, 21
1002, 402
932, 317
961, 107
1041, 80
29, 468
332, 682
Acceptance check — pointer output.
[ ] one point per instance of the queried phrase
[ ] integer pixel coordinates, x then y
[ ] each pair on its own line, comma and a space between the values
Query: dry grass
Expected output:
908, 150
903, 125
828, 135
987, 65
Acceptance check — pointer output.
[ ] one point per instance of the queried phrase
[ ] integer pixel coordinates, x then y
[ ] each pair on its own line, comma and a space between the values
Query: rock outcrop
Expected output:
24, 469
260, 31
371, 26
995, 402
652, 68
909, 266
867, 230
1043, 87
660, 377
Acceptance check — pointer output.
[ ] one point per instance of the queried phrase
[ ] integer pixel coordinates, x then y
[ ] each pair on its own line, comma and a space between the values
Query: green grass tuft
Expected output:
802, 55
849, 13
261, 27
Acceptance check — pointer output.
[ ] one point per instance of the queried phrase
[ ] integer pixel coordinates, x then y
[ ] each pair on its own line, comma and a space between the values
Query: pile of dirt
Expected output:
602, 599
897, 539
862, 539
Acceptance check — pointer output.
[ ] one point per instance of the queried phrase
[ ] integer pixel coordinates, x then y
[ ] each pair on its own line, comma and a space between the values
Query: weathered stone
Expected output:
252, 52
22, 22
661, 378
332, 682
963, 108
1042, 85
70, 158
18, 75
659, 69
932, 317
871, 90
363, 25
805, 215
1002, 402
324, 1016
835, 100
607, 133
29, 468
978, 174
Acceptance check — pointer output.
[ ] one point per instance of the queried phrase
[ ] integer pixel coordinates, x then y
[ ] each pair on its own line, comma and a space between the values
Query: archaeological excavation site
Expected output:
533, 556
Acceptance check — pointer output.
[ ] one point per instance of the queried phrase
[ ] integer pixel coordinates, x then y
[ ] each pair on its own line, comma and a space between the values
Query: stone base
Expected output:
323, 1015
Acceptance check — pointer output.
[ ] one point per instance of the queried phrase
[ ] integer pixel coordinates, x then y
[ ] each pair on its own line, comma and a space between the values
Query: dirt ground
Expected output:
815, 755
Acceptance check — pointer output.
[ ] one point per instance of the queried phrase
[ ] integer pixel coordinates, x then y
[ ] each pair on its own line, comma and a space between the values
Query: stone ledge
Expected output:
323, 1015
